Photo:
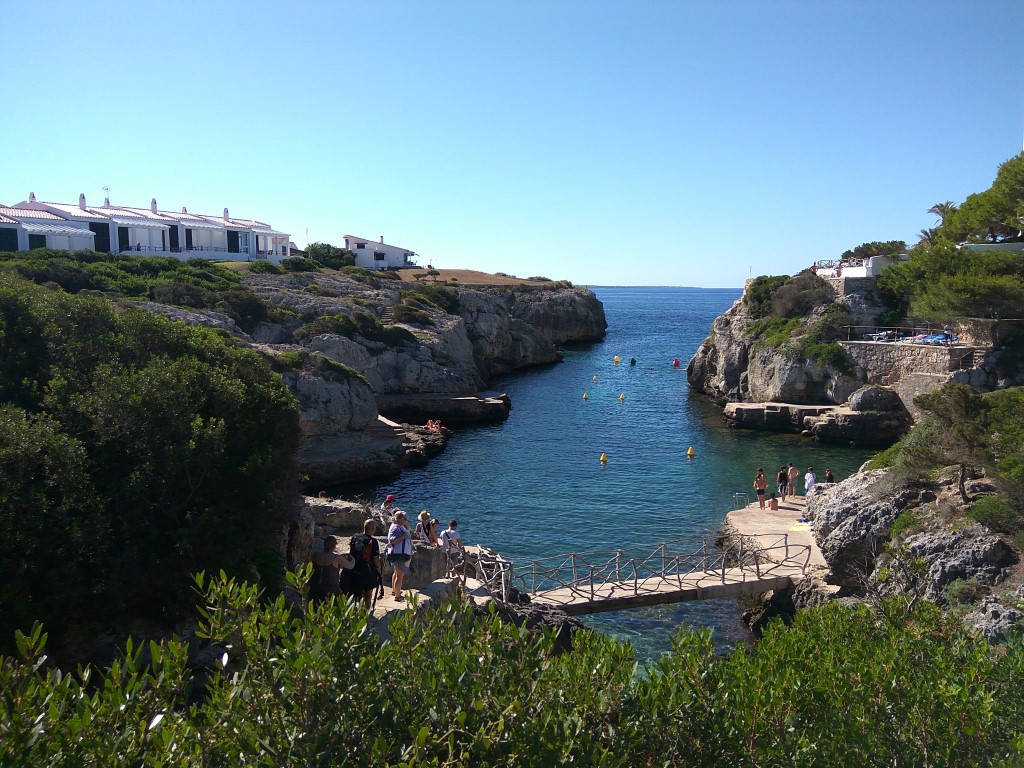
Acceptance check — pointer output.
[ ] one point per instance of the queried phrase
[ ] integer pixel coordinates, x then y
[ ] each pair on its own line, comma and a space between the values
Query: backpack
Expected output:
361, 549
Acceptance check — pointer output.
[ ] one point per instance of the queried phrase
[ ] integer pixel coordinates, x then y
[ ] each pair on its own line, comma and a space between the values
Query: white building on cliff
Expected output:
374, 255
122, 229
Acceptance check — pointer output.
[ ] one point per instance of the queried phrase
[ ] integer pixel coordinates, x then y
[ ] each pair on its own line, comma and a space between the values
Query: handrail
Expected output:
583, 572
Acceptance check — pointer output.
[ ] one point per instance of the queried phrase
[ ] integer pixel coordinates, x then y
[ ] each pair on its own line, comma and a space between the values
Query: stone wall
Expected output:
888, 363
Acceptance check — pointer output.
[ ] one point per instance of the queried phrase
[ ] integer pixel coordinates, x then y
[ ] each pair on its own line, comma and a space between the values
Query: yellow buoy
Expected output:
622, 397
690, 452
615, 359
595, 377
604, 458
584, 395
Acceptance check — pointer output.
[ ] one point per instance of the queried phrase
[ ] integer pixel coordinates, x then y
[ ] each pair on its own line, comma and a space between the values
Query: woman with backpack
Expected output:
399, 551
366, 575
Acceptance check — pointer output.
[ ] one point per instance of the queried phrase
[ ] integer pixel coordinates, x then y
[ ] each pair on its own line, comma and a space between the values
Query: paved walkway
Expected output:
752, 520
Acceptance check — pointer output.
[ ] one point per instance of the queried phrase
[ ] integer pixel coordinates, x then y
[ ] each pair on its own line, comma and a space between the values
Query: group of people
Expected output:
360, 571
786, 484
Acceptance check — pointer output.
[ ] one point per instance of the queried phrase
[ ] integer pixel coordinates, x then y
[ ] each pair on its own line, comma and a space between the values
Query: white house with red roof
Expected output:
379, 255
123, 229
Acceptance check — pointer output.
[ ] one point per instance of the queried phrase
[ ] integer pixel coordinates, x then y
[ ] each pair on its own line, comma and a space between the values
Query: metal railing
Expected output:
642, 568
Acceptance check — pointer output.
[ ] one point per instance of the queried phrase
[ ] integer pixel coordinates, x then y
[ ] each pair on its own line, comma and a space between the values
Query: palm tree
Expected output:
928, 236
942, 210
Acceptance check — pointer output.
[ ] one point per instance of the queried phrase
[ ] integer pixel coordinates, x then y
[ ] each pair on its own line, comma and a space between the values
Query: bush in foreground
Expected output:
453, 688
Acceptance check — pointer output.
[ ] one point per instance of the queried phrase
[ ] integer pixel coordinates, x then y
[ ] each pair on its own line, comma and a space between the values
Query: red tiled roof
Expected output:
28, 213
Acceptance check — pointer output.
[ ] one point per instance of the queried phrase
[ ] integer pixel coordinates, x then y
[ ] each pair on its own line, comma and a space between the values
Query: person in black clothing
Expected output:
782, 481
366, 574
829, 477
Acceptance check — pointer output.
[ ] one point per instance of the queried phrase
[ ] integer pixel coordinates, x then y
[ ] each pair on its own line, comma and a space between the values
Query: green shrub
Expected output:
884, 459
264, 267
993, 511
908, 521
359, 323
965, 592
403, 313
456, 688
299, 264
758, 296
133, 449
435, 295
775, 332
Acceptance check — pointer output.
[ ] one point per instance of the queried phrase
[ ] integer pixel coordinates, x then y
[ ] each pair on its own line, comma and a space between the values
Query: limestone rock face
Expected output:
728, 368
330, 403
994, 620
972, 552
852, 519
873, 416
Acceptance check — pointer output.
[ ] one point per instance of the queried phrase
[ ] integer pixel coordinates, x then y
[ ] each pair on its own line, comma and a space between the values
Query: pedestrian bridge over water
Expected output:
694, 568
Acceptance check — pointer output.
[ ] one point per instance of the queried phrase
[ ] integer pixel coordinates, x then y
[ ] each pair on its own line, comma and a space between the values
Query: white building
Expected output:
374, 255
120, 229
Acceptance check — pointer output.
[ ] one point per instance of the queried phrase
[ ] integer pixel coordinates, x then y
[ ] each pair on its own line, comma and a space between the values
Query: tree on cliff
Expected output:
960, 410
133, 452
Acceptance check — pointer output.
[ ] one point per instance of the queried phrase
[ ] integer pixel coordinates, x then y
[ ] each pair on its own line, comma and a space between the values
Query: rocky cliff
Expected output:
343, 341
730, 367
883, 535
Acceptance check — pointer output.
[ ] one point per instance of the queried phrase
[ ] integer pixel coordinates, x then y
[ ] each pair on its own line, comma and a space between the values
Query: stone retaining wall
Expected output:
888, 363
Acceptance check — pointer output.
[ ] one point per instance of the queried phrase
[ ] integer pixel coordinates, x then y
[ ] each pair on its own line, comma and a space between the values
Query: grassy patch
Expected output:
403, 313
775, 332
358, 324
909, 521
994, 512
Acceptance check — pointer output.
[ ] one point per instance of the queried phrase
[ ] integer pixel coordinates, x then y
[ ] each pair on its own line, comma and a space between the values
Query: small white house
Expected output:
379, 255
121, 229
26, 229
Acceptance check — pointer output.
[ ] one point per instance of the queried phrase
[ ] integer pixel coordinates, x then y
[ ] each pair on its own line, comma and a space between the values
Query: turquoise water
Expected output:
534, 486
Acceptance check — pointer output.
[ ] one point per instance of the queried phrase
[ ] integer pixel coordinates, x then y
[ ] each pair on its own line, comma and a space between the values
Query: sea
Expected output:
534, 485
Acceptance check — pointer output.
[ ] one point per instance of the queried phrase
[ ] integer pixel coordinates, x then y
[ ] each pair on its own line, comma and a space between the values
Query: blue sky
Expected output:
628, 143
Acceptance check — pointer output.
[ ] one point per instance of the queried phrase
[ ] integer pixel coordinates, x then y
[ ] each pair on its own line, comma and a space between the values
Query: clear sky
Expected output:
645, 142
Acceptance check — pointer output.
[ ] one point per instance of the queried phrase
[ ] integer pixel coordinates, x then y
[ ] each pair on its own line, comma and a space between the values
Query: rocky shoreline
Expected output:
364, 381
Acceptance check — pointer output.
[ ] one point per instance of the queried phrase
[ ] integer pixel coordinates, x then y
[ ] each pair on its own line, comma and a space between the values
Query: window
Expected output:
378, 255
8, 239
101, 243
36, 241
360, 246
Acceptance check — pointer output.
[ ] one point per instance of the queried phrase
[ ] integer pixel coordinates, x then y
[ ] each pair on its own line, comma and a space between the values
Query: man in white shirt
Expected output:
809, 480
450, 539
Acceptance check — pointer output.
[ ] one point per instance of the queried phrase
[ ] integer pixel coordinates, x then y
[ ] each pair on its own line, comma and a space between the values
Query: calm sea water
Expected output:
534, 486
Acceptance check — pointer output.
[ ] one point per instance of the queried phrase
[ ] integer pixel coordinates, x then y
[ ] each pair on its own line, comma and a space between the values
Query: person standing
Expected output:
451, 542
388, 505
365, 552
829, 477
794, 476
809, 480
760, 486
399, 551
327, 565
783, 482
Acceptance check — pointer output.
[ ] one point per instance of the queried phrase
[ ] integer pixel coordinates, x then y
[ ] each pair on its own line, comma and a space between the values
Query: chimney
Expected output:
226, 217
31, 197
184, 209
152, 205
81, 200
106, 202
382, 239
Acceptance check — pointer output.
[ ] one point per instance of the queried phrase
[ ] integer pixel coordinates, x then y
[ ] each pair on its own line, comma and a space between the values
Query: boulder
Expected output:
875, 398
851, 520
967, 552
994, 620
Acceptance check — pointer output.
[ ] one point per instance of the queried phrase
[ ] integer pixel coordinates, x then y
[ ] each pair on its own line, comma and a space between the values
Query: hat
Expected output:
424, 515
390, 497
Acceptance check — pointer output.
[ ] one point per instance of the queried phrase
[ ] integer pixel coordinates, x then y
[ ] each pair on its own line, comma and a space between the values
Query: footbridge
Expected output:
694, 568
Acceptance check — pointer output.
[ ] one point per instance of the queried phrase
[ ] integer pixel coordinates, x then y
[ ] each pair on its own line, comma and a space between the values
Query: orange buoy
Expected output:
675, 363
